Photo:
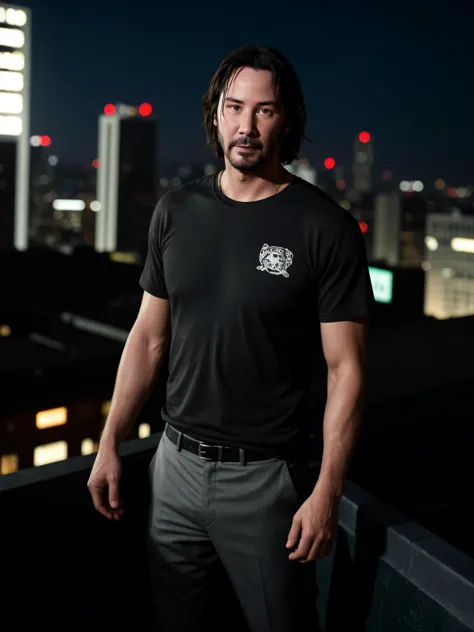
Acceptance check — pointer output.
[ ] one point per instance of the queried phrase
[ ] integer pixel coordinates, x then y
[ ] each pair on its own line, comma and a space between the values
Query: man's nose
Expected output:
247, 124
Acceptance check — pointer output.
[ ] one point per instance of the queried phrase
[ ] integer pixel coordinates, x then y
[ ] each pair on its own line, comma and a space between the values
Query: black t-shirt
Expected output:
248, 285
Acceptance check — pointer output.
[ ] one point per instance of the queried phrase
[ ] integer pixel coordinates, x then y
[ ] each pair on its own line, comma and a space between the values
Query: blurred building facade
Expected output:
126, 187
450, 265
15, 62
399, 229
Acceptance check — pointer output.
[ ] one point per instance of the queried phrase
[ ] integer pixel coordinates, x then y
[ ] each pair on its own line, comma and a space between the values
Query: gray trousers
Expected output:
206, 513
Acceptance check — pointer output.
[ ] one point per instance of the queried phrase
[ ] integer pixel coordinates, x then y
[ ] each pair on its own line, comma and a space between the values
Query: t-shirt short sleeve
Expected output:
152, 278
343, 281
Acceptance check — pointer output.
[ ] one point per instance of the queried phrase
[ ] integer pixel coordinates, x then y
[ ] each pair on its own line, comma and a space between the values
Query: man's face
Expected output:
249, 120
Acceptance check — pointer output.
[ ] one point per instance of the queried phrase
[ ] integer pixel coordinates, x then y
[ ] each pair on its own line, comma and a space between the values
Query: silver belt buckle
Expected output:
201, 451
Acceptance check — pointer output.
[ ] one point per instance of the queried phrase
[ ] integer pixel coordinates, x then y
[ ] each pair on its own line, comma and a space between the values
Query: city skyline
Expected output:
400, 76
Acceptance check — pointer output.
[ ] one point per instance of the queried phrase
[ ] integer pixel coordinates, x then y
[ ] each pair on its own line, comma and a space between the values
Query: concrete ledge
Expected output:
378, 531
438, 569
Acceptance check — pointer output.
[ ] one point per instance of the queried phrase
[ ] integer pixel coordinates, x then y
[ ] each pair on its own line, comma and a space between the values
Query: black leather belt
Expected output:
209, 452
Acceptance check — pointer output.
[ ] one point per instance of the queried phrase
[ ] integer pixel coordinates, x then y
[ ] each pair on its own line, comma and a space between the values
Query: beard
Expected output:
248, 162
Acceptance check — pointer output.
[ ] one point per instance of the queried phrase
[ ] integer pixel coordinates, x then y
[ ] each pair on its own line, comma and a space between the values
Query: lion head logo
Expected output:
275, 260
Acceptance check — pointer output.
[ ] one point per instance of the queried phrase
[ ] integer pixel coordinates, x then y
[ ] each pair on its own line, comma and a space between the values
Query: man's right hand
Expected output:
106, 472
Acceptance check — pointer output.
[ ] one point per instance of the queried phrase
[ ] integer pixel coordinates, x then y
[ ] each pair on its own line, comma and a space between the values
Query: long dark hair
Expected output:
286, 85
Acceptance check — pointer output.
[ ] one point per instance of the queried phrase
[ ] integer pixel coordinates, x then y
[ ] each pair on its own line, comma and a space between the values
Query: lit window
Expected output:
88, 446
144, 431
52, 417
8, 463
50, 453
105, 408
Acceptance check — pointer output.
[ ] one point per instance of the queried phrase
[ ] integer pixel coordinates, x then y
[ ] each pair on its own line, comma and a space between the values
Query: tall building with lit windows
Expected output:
15, 61
449, 265
399, 229
126, 179
363, 158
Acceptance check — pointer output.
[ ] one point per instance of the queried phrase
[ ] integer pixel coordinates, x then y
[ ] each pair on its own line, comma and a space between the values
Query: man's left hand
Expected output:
315, 525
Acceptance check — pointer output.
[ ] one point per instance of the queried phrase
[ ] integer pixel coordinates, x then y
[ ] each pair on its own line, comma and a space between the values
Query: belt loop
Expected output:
242, 456
179, 442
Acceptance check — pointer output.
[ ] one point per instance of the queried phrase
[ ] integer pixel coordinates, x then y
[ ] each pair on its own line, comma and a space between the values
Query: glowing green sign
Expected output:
382, 284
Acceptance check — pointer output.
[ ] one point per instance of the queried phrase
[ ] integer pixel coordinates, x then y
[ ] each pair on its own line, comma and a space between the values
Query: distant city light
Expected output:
10, 125
95, 206
145, 109
364, 137
440, 184
404, 185
45, 141
95, 163
109, 109
431, 243
418, 186
12, 81
11, 103
341, 185
53, 160
13, 17
363, 226
452, 192
5, 331
51, 417
382, 284
329, 163
462, 244
69, 205
447, 273
387, 175
13, 38
12, 60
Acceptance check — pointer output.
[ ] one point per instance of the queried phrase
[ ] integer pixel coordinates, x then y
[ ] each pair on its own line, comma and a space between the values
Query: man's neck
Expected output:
251, 187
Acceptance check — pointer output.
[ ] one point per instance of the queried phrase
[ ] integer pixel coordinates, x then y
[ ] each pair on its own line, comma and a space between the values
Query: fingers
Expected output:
312, 548
294, 533
113, 481
303, 549
108, 505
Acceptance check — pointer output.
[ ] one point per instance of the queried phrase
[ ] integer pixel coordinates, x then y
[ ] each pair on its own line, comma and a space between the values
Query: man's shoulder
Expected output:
320, 207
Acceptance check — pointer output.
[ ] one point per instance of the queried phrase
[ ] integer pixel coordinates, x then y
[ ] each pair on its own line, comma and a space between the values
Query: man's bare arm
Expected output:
138, 369
344, 347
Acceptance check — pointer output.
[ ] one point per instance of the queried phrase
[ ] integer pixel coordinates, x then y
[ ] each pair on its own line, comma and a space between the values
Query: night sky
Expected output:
404, 74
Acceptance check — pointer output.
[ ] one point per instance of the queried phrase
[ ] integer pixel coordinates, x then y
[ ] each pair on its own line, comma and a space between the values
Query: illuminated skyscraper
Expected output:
449, 265
126, 179
15, 60
363, 158
399, 229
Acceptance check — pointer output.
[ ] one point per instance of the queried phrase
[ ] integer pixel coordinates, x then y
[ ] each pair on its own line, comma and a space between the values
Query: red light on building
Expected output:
364, 137
145, 109
341, 185
110, 109
363, 226
452, 192
45, 141
329, 163
95, 163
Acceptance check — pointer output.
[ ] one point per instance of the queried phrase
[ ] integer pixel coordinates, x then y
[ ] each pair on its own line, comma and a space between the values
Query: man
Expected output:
246, 270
